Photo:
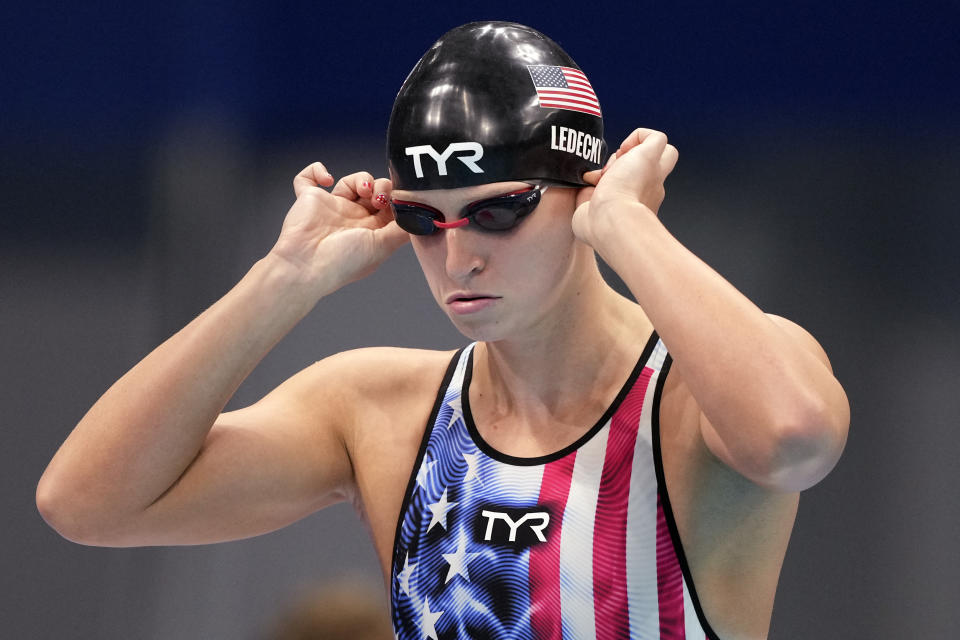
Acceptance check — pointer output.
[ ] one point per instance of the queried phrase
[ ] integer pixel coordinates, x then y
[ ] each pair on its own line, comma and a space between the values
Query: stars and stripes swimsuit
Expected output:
575, 545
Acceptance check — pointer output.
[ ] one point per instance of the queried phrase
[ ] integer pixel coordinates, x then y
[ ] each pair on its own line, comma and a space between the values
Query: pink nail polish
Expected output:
366, 184
381, 198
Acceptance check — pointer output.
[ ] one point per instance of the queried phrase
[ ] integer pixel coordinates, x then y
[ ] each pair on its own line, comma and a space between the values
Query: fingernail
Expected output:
366, 184
381, 198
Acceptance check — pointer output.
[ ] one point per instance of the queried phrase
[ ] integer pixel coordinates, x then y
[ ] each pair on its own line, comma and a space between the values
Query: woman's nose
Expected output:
464, 256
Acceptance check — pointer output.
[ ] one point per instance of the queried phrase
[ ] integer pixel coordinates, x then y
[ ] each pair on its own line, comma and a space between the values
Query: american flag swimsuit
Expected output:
576, 545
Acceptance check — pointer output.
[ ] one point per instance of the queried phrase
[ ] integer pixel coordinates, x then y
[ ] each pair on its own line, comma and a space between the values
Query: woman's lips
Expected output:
471, 304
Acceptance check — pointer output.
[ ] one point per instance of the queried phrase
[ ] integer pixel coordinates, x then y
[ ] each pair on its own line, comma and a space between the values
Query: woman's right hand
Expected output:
337, 237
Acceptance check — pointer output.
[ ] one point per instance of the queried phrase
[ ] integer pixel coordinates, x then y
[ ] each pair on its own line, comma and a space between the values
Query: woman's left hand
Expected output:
634, 175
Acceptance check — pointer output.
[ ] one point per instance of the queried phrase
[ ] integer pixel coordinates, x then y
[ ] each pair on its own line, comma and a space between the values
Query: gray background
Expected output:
145, 163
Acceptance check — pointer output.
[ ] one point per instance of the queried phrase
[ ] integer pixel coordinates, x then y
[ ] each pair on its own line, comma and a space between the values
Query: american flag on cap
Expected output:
564, 88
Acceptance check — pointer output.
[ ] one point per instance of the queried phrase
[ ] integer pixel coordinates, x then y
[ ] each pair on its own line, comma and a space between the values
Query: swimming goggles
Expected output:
501, 213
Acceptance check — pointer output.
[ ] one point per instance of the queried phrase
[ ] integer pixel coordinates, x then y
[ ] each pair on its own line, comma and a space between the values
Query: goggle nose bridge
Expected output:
451, 225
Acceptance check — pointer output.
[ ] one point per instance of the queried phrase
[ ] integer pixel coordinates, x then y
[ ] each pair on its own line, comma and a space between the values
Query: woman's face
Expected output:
495, 285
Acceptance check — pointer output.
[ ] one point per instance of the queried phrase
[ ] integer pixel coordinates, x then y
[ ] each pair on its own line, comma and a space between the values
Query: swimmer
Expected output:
587, 466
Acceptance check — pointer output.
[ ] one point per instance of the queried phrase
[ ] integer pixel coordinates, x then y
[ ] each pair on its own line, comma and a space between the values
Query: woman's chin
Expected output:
480, 330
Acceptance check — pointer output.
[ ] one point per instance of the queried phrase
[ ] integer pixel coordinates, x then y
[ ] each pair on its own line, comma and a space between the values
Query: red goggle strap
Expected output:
451, 225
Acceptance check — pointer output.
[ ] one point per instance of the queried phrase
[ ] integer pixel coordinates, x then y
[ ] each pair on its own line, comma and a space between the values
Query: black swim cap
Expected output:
494, 102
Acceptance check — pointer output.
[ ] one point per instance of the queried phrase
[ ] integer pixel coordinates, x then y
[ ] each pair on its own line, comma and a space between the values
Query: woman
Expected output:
591, 466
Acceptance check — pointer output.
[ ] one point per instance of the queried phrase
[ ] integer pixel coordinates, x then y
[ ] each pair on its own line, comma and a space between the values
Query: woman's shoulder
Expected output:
383, 372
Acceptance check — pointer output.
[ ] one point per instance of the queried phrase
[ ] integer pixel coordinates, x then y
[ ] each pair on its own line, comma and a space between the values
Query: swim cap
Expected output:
494, 102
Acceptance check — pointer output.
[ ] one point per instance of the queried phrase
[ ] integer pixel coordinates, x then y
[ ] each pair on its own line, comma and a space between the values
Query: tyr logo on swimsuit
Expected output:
513, 526
475, 149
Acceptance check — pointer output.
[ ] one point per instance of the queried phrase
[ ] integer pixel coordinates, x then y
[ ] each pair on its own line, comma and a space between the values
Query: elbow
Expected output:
55, 511
807, 447
66, 514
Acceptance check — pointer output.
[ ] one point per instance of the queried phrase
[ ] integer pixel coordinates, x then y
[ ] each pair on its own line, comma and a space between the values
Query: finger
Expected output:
636, 137
354, 186
654, 144
383, 216
365, 185
648, 153
610, 161
382, 187
593, 177
311, 177
376, 210
668, 160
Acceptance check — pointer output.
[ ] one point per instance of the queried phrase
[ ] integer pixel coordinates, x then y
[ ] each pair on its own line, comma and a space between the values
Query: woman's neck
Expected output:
590, 347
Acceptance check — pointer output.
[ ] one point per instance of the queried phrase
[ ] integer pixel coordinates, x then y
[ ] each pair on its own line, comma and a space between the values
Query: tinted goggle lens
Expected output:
493, 214
414, 218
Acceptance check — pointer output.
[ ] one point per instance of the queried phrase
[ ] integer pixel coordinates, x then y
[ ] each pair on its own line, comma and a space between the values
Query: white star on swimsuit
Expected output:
404, 576
459, 560
428, 620
425, 469
471, 459
440, 510
457, 411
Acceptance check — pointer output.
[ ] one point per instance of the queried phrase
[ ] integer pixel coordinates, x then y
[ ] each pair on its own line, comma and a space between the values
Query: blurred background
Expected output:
146, 154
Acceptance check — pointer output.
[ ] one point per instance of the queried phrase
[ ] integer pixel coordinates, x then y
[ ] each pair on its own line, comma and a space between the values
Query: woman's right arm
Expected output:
148, 465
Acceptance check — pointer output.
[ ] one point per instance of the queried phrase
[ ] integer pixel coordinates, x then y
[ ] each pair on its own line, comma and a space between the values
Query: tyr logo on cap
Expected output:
475, 149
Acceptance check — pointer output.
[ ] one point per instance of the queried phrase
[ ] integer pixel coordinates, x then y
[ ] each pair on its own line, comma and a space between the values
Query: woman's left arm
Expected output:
770, 407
